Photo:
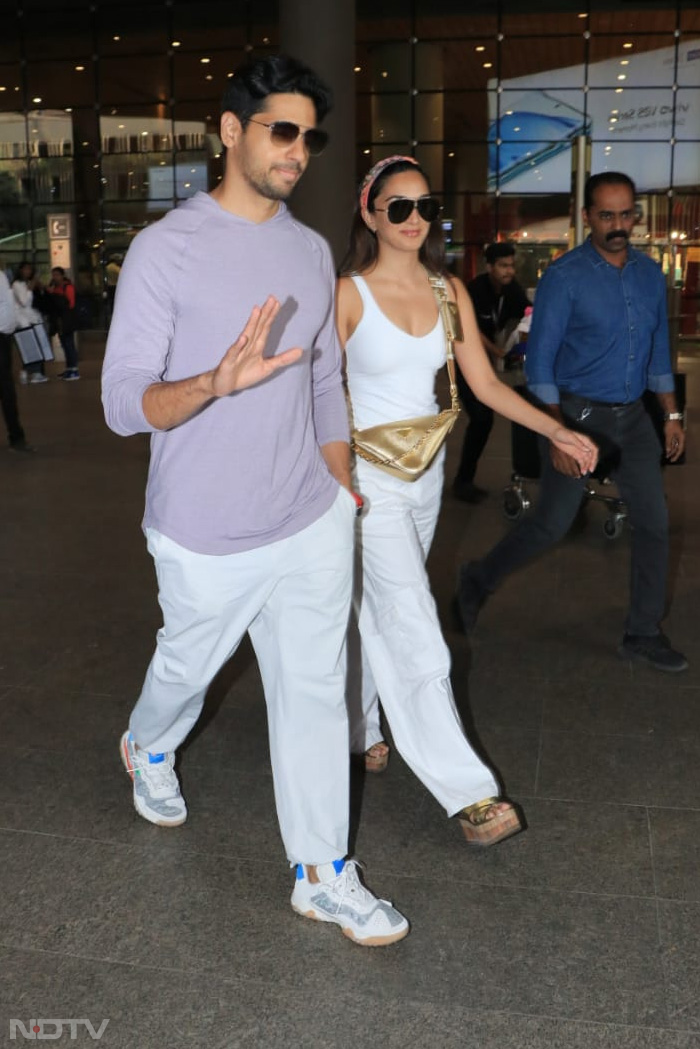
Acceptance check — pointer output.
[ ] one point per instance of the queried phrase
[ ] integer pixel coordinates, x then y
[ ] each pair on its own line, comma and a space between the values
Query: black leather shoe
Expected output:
21, 446
656, 651
468, 492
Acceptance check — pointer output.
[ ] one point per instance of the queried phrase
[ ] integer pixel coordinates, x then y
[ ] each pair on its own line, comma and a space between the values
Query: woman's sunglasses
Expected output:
401, 208
285, 133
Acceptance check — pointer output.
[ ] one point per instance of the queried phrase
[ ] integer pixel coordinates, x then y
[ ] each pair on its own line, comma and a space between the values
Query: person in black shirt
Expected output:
499, 303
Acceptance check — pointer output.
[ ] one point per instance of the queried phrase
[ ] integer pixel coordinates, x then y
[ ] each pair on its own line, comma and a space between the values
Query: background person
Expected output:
8, 394
30, 333
499, 303
394, 344
599, 339
63, 290
249, 516
112, 271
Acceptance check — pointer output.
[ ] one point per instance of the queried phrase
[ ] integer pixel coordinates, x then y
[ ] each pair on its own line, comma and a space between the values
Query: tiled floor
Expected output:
580, 934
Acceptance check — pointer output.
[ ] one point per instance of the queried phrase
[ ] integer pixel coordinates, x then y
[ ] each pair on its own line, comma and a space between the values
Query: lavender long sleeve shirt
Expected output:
247, 470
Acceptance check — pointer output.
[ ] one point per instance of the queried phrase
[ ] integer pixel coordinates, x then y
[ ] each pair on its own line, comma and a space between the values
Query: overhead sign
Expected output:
61, 247
629, 109
59, 227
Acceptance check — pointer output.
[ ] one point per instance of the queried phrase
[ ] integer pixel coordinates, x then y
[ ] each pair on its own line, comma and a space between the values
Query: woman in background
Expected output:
30, 336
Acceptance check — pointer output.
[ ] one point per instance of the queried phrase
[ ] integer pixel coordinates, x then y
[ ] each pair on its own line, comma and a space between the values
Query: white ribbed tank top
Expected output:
391, 374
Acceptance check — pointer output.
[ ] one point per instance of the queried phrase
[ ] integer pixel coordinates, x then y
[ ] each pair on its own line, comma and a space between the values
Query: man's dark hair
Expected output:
605, 178
503, 249
250, 85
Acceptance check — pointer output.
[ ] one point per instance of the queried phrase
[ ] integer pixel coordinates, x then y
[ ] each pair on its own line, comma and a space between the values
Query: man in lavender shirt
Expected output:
249, 510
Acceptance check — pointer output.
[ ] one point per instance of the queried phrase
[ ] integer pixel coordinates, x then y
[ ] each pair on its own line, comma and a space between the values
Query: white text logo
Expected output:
36, 1030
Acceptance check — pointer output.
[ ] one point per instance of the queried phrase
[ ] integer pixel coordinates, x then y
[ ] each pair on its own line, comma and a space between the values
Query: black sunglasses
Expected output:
285, 133
401, 208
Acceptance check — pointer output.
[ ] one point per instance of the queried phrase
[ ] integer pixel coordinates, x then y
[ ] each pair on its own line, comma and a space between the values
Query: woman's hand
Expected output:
572, 453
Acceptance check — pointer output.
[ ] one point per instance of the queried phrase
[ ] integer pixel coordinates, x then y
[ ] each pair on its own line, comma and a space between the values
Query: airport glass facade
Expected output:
109, 116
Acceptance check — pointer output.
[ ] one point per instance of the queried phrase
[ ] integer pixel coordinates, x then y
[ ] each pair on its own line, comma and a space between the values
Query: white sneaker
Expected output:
24, 377
37, 377
157, 794
340, 897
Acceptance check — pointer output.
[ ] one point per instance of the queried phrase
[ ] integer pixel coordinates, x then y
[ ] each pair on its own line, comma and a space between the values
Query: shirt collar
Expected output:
597, 259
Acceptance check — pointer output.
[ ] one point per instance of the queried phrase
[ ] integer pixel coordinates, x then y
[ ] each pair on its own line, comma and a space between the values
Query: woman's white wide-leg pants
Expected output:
404, 656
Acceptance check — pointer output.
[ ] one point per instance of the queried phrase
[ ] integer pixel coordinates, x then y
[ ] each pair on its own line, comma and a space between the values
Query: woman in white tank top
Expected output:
394, 342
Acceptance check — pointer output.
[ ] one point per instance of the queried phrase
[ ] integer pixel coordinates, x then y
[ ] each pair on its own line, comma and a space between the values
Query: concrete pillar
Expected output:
321, 33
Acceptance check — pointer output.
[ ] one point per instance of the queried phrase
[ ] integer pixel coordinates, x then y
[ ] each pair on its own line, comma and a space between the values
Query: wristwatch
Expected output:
672, 417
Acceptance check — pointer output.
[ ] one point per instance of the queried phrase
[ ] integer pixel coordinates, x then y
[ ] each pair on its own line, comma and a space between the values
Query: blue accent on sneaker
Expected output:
300, 871
155, 759
338, 866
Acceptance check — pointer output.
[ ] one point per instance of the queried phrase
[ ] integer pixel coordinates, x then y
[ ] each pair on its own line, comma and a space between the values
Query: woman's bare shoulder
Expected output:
348, 307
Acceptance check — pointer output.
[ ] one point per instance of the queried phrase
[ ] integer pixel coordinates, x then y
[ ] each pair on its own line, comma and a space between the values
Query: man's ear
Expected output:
230, 129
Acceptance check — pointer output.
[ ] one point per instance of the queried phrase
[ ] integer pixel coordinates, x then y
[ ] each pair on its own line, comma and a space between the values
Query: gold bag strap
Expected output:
452, 324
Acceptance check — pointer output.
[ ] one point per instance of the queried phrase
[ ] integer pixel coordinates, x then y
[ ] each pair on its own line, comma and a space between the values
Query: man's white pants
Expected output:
404, 655
293, 597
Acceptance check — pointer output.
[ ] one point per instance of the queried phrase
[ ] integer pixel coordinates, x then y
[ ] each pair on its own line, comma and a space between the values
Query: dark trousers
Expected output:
632, 454
478, 430
69, 351
8, 395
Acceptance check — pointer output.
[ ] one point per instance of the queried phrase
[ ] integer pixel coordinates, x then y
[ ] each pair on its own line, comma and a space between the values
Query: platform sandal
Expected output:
489, 821
377, 757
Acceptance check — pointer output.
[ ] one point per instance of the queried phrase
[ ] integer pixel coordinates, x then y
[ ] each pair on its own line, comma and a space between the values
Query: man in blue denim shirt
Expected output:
599, 339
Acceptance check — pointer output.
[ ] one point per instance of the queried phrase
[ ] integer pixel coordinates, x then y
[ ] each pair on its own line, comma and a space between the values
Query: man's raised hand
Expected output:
243, 364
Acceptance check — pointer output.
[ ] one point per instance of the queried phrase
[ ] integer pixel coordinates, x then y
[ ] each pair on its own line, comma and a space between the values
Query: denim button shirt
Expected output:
599, 331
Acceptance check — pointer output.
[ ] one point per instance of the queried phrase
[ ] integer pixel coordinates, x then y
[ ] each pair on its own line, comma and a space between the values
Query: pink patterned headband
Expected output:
374, 172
